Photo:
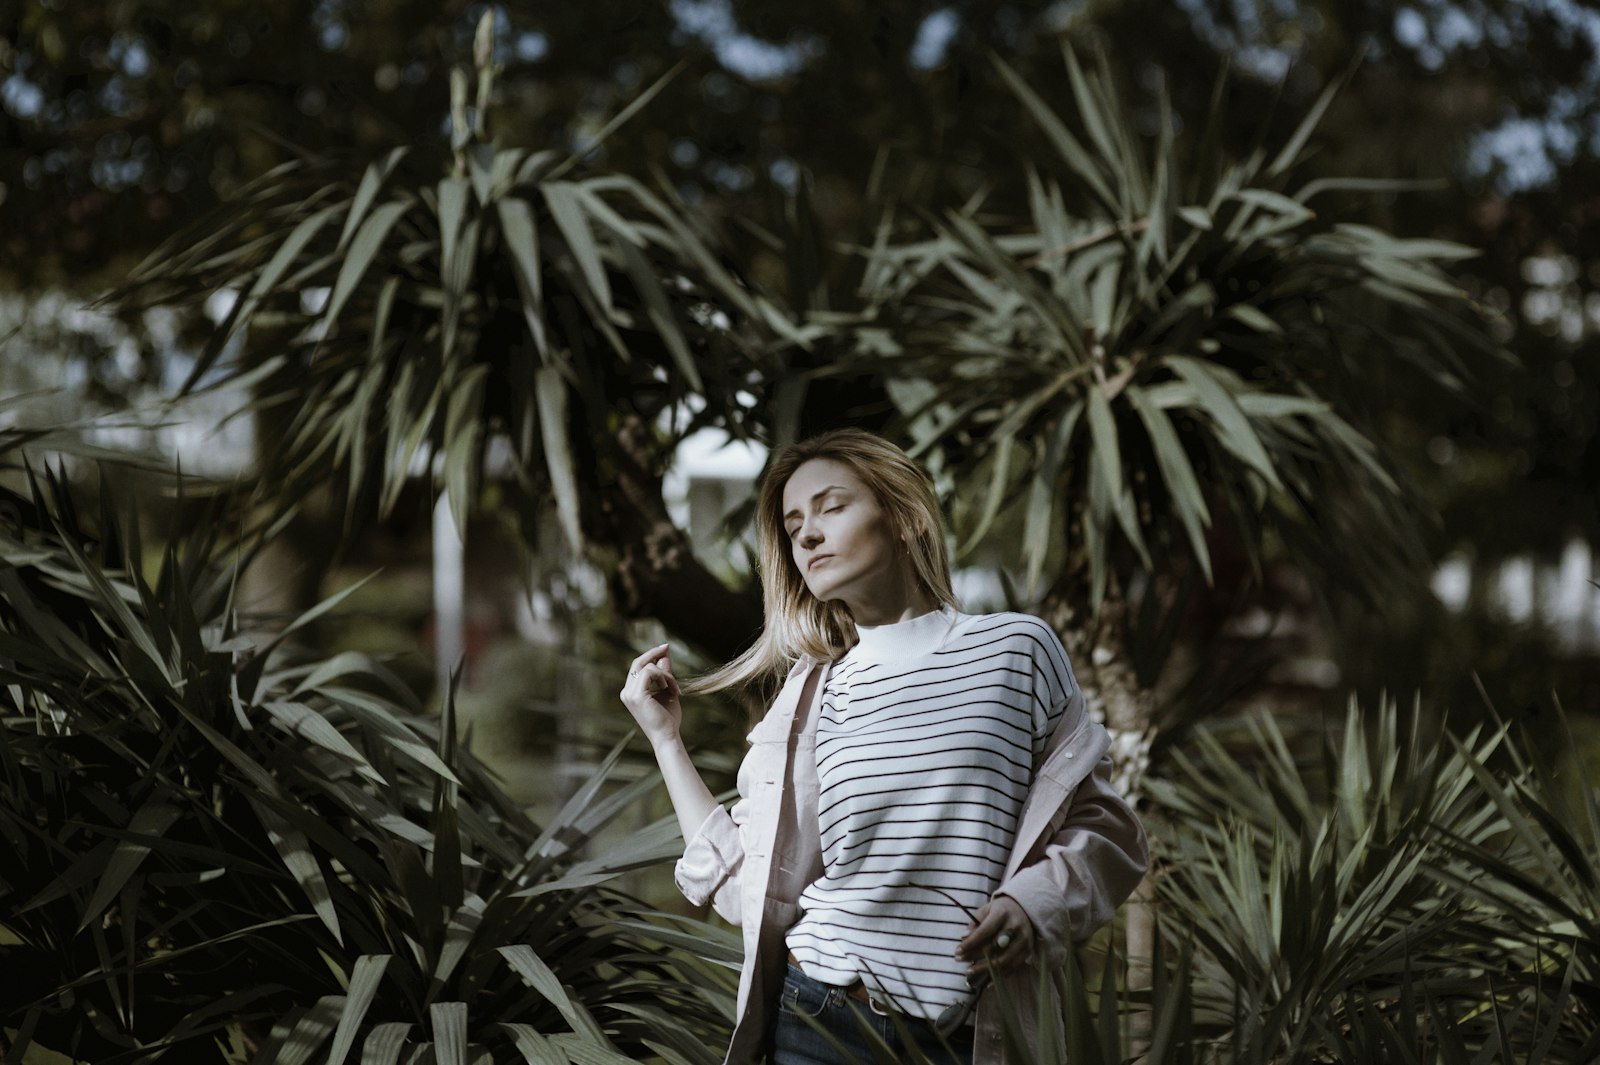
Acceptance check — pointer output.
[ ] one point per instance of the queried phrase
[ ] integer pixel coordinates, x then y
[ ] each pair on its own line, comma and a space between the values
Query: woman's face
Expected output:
841, 538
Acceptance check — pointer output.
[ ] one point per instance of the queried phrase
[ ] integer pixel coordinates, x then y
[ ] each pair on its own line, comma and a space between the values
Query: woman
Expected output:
923, 817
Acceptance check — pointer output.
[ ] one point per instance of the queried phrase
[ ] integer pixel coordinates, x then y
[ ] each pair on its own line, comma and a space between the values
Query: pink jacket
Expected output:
1079, 852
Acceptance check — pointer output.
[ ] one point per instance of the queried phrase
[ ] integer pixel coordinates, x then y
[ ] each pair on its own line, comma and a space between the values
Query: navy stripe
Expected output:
924, 755
850, 743
859, 811
923, 763
1013, 793
943, 693
925, 675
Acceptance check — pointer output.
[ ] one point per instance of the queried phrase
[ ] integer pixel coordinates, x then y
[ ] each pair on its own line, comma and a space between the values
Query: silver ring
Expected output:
1002, 941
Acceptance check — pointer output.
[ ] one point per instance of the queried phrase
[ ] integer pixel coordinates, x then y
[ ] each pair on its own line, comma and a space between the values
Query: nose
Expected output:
808, 536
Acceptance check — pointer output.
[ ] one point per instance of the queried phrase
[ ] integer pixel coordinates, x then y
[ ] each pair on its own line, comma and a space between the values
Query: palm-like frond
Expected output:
204, 840
1544, 869
1358, 895
1170, 339
416, 307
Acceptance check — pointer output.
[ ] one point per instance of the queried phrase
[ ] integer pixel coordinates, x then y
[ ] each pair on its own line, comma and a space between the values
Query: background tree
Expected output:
1175, 348
225, 851
122, 121
489, 297
784, 136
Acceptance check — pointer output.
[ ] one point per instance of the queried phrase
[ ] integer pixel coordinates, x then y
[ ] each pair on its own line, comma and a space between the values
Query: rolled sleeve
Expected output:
708, 870
1090, 866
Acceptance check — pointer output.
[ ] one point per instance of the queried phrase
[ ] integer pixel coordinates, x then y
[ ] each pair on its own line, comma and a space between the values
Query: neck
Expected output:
903, 639
886, 610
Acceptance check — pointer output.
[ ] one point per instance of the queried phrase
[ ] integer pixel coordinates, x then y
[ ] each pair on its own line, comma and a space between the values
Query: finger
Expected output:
647, 657
989, 921
1016, 952
653, 680
970, 938
636, 684
640, 664
981, 943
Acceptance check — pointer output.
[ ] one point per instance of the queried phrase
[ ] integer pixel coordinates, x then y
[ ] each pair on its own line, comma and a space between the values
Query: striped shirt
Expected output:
926, 743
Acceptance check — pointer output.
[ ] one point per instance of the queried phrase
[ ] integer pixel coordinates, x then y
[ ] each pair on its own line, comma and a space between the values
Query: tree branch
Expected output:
657, 574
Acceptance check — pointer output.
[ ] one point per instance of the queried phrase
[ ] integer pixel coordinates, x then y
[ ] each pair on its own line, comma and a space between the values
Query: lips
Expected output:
813, 563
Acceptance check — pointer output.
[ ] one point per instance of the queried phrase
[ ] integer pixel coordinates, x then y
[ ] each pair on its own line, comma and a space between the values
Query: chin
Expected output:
824, 592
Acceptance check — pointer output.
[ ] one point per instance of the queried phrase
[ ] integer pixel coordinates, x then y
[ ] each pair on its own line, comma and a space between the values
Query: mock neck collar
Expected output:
902, 639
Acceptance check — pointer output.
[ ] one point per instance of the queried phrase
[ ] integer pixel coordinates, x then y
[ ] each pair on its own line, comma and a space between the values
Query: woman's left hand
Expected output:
1001, 915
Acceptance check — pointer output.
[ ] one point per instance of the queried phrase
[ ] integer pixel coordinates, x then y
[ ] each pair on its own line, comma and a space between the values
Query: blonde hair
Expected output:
797, 623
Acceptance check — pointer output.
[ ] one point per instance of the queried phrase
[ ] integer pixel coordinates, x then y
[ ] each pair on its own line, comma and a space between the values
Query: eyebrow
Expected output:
816, 496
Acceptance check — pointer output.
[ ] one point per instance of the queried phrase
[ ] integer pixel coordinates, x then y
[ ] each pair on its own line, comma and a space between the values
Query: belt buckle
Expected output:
862, 993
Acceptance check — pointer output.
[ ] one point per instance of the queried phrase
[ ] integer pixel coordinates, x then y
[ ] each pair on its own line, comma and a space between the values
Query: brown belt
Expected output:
857, 990
947, 1025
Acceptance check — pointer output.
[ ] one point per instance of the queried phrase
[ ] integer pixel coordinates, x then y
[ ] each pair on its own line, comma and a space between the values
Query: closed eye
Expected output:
791, 532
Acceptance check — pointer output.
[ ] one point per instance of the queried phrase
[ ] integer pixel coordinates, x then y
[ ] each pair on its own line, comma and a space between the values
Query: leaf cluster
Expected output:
494, 312
1377, 903
1172, 339
213, 849
1395, 901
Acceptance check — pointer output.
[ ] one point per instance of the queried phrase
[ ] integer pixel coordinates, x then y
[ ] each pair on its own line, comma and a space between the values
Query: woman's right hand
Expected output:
651, 695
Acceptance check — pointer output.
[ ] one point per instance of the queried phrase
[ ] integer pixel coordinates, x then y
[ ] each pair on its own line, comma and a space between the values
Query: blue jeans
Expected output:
818, 1024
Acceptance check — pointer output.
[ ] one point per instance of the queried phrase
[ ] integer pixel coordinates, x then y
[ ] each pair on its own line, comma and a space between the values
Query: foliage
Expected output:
1397, 902
1545, 872
1373, 904
1171, 341
213, 850
495, 295
124, 122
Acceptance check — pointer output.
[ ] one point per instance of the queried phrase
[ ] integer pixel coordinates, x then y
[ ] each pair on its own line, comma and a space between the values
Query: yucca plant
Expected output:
1170, 338
430, 310
1543, 872
215, 852
1173, 347
1395, 901
1335, 904
1528, 1028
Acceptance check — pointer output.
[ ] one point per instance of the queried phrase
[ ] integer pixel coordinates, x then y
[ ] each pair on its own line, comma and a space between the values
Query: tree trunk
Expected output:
284, 579
657, 574
1102, 660
1103, 663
